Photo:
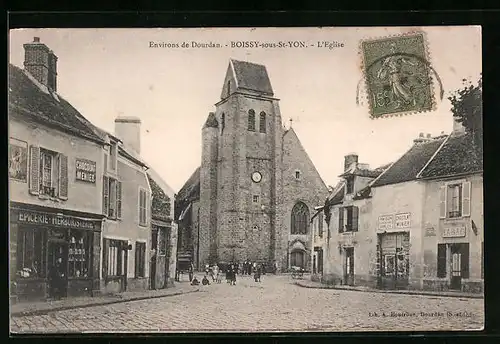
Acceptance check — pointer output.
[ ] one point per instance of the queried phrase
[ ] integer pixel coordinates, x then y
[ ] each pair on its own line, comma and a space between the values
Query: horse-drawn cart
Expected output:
184, 265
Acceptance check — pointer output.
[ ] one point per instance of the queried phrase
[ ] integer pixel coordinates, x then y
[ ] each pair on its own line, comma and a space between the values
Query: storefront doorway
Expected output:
57, 264
115, 262
459, 264
394, 254
349, 266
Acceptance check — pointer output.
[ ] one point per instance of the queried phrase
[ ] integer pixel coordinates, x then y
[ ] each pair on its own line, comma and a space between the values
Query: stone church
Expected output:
254, 194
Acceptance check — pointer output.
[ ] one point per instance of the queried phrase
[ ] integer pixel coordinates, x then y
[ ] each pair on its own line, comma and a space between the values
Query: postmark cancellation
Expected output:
397, 74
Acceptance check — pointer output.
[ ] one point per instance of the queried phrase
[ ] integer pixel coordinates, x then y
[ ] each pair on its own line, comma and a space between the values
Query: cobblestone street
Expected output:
274, 304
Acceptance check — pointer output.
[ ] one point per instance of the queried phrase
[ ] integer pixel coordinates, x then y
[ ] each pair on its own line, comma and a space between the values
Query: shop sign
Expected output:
385, 222
454, 232
403, 220
54, 220
85, 170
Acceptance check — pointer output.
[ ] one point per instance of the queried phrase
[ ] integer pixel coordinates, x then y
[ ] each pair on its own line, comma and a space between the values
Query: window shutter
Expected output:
465, 260
105, 195
355, 217
105, 252
441, 261
442, 202
341, 220
34, 184
63, 176
466, 199
118, 199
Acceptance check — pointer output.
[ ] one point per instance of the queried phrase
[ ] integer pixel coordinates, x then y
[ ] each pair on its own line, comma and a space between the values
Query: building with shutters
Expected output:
417, 225
126, 204
55, 182
397, 217
254, 194
453, 222
350, 245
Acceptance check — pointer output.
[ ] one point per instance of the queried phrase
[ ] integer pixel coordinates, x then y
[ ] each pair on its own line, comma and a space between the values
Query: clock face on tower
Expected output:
256, 177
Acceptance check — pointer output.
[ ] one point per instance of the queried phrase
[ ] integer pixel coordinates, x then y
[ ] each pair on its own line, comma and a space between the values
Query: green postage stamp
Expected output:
398, 75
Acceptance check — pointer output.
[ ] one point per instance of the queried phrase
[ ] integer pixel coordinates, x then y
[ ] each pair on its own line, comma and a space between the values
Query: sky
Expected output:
106, 73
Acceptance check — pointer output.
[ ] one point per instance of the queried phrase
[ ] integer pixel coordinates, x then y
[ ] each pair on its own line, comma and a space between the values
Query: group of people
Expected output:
231, 270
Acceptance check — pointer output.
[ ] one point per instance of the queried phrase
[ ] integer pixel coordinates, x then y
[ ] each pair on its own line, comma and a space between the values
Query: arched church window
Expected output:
262, 122
223, 122
300, 218
251, 120
228, 88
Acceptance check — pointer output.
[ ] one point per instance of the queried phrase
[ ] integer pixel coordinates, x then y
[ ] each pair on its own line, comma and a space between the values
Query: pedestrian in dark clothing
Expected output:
195, 281
205, 280
56, 277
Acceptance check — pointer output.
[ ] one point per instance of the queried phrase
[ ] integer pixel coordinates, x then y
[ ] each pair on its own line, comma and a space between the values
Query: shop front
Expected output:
394, 249
53, 254
453, 256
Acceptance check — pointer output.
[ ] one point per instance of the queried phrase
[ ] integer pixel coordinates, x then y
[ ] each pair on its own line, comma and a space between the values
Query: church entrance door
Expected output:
297, 258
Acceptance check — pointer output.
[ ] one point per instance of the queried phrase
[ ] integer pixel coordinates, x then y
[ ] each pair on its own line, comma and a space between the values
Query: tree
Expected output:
467, 108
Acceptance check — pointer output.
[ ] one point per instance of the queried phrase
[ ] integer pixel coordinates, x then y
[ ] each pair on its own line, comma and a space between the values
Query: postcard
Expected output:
246, 180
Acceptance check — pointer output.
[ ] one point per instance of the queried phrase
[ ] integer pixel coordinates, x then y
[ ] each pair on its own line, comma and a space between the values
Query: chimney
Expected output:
349, 160
128, 129
458, 128
41, 63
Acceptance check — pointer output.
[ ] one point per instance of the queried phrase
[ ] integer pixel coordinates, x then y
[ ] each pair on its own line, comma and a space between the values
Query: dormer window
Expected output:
349, 185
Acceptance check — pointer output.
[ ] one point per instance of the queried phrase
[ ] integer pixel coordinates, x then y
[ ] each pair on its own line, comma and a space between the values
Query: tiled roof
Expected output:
189, 192
26, 96
160, 206
410, 164
252, 76
337, 196
362, 173
458, 155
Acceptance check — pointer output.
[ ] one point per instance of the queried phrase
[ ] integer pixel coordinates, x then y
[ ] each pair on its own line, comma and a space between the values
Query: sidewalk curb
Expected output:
102, 303
401, 292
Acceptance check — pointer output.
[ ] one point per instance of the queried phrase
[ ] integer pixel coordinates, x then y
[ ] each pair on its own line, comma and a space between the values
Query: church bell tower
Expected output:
240, 172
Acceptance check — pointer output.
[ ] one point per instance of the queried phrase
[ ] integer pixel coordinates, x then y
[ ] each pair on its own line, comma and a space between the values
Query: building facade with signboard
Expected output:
55, 169
453, 217
350, 246
398, 217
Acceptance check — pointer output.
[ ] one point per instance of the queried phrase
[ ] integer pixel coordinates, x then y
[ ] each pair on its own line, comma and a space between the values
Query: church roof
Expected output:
251, 76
